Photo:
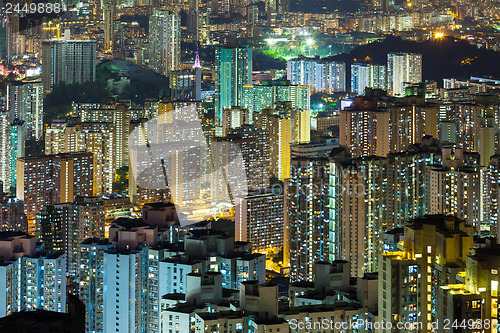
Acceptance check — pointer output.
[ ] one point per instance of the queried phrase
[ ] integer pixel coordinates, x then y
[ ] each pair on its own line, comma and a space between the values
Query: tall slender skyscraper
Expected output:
233, 69
5, 151
307, 202
402, 69
109, 12
25, 102
164, 41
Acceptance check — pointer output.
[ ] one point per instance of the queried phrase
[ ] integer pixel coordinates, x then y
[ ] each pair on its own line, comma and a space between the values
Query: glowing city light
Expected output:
438, 35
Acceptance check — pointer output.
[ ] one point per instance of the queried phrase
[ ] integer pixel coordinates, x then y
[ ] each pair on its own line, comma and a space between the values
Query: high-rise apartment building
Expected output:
108, 12
474, 125
221, 7
490, 197
12, 144
402, 70
365, 129
454, 188
254, 145
138, 273
367, 76
286, 126
30, 279
307, 224
381, 126
233, 118
280, 137
233, 70
371, 195
62, 227
5, 151
12, 215
17, 149
67, 61
97, 138
259, 219
357, 210
25, 102
51, 179
267, 95
474, 294
320, 75
435, 250
164, 41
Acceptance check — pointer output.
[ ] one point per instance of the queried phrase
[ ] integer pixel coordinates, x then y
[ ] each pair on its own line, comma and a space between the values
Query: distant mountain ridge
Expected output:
441, 58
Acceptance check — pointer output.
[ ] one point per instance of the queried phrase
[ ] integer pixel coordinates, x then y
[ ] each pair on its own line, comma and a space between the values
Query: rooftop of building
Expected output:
491, 249
320, 308
98, 241
174, 296
183, 259
302, 284
37, 321
8, 235
440, 221
318, 294
203, 233
395, 231
269, 321
244, 255
159, 205
60, 155
128, 223
370, 276
256, 283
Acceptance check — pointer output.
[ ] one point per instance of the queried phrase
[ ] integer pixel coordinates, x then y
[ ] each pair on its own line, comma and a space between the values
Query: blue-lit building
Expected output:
233, 69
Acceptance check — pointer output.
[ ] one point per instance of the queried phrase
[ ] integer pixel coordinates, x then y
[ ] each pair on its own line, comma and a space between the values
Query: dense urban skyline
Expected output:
235, 166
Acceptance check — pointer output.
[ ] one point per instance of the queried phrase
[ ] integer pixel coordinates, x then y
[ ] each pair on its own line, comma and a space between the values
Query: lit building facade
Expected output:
378, 127
258, 97
25, 102
68, 61
53, 179
233, 69
140, 272
254, 145
434, 251
320, 75
12, 215
96, 138
367, 76
30, 280
308, 219
259, 219
454, 188
402, 70
164, 42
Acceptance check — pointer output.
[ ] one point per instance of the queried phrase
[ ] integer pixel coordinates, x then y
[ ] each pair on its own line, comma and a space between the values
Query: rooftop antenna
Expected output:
197, 63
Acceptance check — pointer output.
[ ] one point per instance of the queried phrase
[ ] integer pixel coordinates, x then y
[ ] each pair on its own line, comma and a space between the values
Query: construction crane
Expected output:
166, 197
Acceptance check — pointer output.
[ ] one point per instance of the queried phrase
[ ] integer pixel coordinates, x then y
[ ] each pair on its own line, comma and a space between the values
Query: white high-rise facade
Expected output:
402, 70
320, 75
164, 42
367, 76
